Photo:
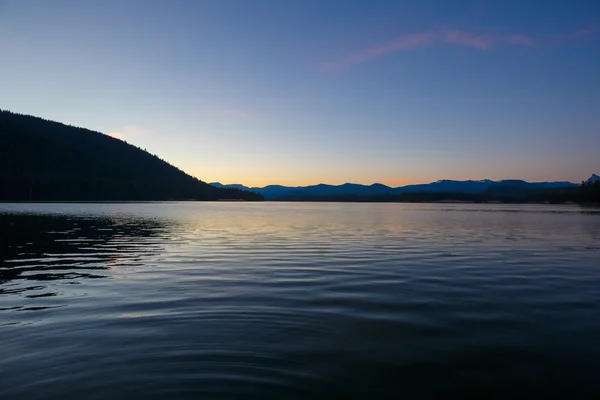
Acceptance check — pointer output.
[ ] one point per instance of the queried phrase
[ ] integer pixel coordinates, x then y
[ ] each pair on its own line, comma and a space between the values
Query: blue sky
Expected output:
303, 92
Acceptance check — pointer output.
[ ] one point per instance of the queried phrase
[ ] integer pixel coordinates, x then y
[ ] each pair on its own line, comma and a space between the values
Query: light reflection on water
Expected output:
298, 299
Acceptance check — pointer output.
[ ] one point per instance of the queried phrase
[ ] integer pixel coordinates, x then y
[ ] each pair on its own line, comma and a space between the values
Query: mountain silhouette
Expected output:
378, 189
593, 179
42, 160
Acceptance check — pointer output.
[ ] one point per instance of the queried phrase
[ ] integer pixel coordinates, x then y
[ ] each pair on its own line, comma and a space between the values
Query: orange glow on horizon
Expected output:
401, 182
336, 182
312, 182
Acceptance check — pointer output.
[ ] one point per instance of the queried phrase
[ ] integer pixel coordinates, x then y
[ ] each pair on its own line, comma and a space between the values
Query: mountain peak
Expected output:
377, 189
593, 178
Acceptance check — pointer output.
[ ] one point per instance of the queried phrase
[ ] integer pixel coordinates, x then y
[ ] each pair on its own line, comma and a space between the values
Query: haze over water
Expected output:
298, 300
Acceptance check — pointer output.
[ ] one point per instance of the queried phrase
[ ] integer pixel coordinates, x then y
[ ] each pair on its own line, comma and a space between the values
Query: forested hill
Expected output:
43, 160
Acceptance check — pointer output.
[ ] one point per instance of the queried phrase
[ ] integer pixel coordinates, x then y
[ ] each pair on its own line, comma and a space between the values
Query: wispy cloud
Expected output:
578, 34
400, 43
454, 37
128, 132
518, 40
459, 37
485, 42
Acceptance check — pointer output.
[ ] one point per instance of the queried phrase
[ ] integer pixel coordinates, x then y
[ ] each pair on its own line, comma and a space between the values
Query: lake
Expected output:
298, 300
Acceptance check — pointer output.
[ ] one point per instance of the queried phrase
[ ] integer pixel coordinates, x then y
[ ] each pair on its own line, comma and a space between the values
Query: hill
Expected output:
42, 160
377, 189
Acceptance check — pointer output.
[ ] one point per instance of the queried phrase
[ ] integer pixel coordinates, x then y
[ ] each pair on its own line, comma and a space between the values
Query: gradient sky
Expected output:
300, 92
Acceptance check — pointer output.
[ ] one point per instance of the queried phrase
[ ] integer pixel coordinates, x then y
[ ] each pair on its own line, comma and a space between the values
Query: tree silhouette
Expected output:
590, 191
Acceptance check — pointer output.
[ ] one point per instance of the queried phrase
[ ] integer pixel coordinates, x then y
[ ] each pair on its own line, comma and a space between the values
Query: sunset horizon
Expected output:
311, 92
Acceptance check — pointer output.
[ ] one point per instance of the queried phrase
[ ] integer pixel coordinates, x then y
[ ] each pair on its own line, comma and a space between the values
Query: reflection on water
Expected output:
39, 248
173, 300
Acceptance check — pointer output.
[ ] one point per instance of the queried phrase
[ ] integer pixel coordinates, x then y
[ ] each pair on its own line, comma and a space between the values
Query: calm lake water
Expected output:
298, 300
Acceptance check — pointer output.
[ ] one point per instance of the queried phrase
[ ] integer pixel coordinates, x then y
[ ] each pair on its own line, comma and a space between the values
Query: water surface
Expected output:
298, 300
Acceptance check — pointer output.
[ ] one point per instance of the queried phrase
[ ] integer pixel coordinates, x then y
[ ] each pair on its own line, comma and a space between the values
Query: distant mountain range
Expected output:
43, 160
378, 189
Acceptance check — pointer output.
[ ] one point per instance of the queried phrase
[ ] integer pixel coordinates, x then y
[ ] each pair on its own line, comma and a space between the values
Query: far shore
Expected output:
446, 201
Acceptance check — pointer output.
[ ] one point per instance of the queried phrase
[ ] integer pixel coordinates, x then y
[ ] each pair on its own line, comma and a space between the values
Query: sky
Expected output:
301, 92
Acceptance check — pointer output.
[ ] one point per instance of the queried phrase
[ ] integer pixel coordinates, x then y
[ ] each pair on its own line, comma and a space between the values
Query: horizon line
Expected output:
409, 184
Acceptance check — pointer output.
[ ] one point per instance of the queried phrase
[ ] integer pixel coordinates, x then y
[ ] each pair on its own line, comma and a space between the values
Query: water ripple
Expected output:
298, 300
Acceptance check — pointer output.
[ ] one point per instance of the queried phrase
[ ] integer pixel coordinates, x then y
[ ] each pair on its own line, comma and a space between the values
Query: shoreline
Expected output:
220, 201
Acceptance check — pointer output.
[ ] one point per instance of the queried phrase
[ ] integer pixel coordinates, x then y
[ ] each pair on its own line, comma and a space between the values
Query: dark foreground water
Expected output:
236, 300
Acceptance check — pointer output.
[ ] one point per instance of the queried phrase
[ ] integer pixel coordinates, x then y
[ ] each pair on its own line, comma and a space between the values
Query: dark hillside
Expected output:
43, 160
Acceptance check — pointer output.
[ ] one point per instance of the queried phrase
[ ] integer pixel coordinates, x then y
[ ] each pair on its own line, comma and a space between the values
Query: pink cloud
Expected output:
401, 43
416, 40
117, 135
456, 36
580, 33
518, 40
485, 42
451, 37
128, 132
577, 34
